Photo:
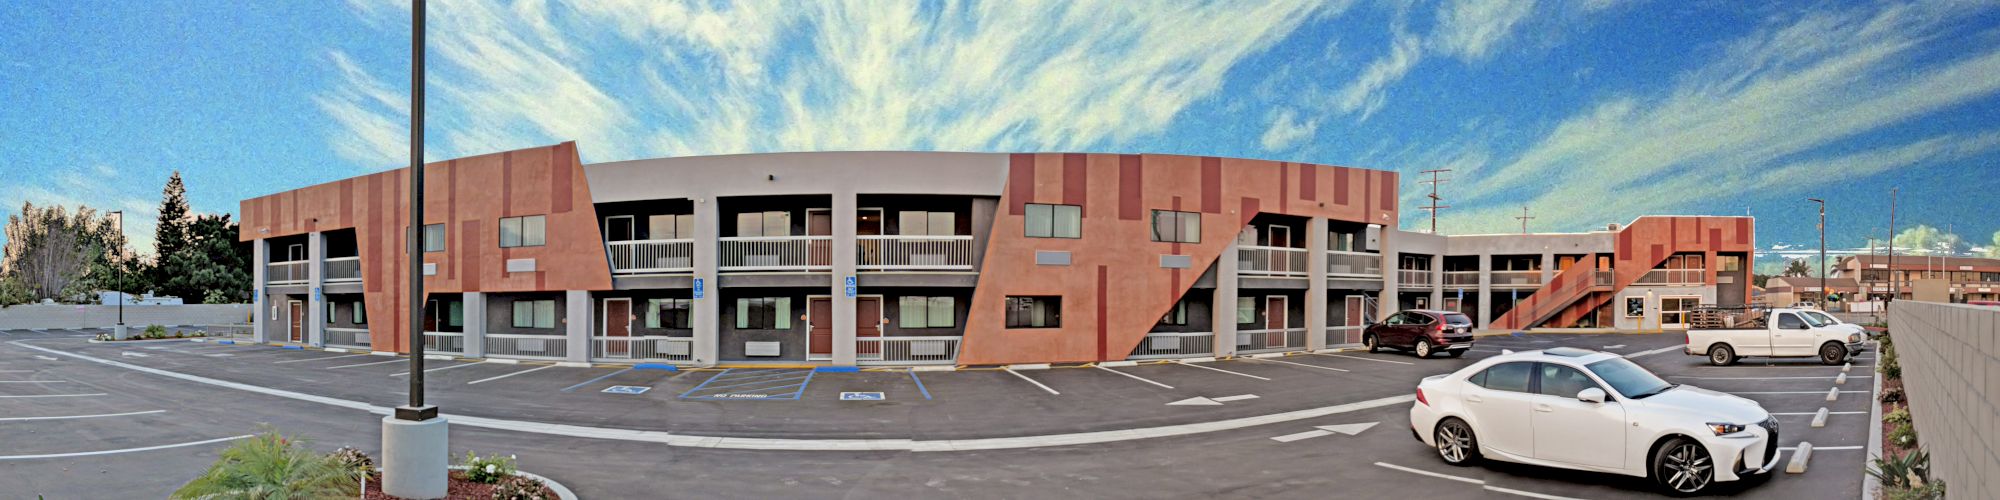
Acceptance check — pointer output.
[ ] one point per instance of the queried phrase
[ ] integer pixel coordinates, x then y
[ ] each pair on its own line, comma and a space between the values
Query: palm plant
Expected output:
271, 467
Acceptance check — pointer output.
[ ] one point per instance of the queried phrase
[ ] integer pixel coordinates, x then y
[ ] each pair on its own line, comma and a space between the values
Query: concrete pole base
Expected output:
415, 457
118, 332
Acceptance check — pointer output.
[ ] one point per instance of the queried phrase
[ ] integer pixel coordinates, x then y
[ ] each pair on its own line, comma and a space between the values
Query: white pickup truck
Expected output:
1784, 332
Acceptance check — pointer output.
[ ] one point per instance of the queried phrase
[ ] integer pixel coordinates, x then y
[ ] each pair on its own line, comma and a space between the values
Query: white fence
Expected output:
228, 331
1269, 340
648, 348
444, 343
1517, 278
507, 345
1341, 264
776, 253
22, 317
287, 273
1461, 278
347, 337
1270, 261
651, 256
906, 350
341, 269
1415, 278
1343, 335
1165, 345
914, 252
1672, 277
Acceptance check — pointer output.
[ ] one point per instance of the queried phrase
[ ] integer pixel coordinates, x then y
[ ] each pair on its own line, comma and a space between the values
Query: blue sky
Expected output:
1587, 112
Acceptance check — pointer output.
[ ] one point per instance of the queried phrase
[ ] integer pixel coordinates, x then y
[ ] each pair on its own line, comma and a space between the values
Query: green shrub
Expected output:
1905, 435
1892, 395
521, 488
354, 459
156, 332
1929, 491
1907, 477
1899, 417
270, 466
487, 470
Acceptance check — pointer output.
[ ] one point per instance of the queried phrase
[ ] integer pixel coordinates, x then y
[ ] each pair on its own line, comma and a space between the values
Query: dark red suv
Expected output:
1422, 332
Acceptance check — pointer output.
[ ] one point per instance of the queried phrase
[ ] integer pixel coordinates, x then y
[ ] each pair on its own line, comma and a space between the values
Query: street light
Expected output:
119, 270
1822, 251
415, 440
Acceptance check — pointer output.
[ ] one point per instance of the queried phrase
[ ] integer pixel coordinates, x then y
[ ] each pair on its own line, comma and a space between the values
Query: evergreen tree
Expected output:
171, 235
213, 267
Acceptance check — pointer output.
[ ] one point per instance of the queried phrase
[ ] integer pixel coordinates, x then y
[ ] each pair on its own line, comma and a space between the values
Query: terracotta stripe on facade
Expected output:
1308, 182
1131, 185
1075, 181
1211, 185
1020, 182
1340, 186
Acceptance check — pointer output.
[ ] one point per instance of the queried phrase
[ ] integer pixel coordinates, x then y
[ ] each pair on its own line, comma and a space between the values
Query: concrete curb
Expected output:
1868, 482
561, 491
148, 341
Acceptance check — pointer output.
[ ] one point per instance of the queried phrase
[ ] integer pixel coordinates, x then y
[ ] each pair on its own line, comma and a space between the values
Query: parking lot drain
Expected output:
837, 369
1819, 419
656, 366
1799, 458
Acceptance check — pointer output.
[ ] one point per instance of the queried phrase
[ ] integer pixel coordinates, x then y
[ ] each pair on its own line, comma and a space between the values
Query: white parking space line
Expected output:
32, 381
1303, 435
69, 417
441, 368
1134, 377
1823, 448
1431, 474
1299, 364
1804, 413
1192, 365
1764, 378
1362, 358
54, 396
1654, 351
1031, 381
489, 379
127, 450
316, 359
369, 364
1528, 494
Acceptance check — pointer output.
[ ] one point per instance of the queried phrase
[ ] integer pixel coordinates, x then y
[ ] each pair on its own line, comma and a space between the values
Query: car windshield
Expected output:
1815, 319
1628, 378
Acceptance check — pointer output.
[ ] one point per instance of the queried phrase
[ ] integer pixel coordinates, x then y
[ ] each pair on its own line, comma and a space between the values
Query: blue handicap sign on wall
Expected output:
627, 389
861, 396
850, 292
850, 282
697, 288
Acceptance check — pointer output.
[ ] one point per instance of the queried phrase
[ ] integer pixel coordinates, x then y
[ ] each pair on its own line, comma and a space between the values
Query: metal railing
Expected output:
1517, 278
1164, 345
1343, 335
444, 342
913, 252
1604, 277
1461, 278
1342, 264
906, 350
346, 337
647, 348
232, 331
650, 256
290, 272
1415, 278
1672, 277
1270, 261
341, 269
776, 253
1270, 340
507, 345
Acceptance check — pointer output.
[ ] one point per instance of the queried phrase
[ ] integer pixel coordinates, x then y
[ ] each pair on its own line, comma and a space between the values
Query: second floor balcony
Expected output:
1672, 277
287, 273
341, 270
775, 253
1345, 264
1415, 278
1517, 278
651, 256
1253, 260
914, 252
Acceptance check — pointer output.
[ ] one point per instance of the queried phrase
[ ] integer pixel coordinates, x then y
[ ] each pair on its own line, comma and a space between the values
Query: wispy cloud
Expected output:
1365, 93
1472, 29
1286, 130
373, 118
85, 187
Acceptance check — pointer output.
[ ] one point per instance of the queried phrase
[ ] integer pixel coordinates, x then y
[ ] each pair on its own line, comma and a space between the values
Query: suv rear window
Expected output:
1456, 319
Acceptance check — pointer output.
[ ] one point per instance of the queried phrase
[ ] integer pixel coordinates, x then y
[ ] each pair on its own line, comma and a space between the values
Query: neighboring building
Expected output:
920, 257
1788, 290
1970, 278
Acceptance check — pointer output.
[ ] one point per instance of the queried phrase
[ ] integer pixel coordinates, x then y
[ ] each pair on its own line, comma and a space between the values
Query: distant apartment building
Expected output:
1968, 278
862, 258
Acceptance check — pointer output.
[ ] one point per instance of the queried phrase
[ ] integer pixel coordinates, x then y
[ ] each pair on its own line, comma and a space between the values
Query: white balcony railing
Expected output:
444, 342
1461, 278
1163, 345
341, 269
1517, 278
1342, 264
286, 273
1270, 261
648, 348
507, 345
1415, 278
892, 253
776, 253
347, 337
651, 256
230, 331
1603, 277
1664, 277
906, 350
1343, 335
1269, 340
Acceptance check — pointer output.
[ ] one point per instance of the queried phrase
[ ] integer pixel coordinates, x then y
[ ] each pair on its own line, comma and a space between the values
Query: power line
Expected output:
1435, 199
1524, 219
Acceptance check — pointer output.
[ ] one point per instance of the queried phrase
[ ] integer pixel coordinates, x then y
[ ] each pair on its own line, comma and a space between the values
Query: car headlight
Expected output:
1722, 429
1853, 338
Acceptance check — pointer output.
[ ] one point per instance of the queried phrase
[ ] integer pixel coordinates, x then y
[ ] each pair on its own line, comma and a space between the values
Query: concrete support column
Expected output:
705, 316
1222, 313
316, 279
577, 325
1485, 290
1391, 300
260, 302
1437, 282
843, 214
1548, 268
1316, 283
475, 325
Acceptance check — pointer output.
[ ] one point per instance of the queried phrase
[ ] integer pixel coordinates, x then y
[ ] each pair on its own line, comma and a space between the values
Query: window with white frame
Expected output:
433, 238
1246, 310
525, 231
1176, 316
773, 223
359, 313
764, 313
1034, 312
925, 312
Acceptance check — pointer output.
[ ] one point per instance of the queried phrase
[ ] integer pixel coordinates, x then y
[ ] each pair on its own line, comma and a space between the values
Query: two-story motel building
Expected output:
849, 258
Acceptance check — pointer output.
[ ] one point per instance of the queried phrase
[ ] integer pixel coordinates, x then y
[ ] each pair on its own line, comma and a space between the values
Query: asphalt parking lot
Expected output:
140, 418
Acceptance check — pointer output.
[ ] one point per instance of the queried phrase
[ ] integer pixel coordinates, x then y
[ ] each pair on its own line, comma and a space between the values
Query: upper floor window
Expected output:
920, 223
527, 231
1034, 312
773, 223
1730, 263
670, 227
1054, 221
433, 238
1176, 227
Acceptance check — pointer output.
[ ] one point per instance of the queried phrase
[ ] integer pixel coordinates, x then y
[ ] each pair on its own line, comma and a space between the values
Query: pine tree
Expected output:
170, 237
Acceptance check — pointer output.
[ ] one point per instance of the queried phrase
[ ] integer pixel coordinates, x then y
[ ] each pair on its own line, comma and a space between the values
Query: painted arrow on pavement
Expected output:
131, 354
1204, 401
1326, 430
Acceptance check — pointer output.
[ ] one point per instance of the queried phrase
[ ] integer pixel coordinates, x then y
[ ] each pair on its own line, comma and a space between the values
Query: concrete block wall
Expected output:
1950, 354
23, 317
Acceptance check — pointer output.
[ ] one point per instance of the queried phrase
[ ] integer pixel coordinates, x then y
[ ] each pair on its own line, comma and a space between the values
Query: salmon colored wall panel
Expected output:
467, 195
1122, 251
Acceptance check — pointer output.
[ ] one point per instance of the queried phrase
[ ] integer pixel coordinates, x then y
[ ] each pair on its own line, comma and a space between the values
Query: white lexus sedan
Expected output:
1595, 411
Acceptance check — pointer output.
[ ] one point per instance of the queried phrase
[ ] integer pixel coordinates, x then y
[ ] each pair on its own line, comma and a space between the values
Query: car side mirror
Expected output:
1591, 395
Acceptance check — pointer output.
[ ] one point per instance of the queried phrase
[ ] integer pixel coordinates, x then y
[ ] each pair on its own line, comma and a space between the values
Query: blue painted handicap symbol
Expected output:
627, 389
861, 396
850, 281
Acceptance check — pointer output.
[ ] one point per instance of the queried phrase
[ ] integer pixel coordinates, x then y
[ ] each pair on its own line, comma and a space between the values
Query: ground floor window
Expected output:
668, 313
764, 313
925, 312
360, 312
1635, 307
1246, 310
534, 314
1176, 316
1034, 312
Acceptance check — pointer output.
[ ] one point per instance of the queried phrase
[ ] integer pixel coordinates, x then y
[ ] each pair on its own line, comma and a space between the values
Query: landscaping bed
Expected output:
1904, 467
461, 487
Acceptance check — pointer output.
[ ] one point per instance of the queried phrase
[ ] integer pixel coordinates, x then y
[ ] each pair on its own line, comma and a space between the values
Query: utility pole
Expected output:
1434, 206
1524, 219
1894, 289
1823, 292
415, 441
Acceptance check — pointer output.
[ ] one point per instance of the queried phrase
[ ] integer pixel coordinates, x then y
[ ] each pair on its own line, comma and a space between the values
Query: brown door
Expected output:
867, 325
820, 223
1355, 317
1274, 320
296, 317
618, 325
819, 333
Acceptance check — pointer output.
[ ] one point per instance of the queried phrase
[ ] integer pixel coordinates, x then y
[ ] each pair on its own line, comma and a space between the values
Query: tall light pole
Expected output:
415, 441
1822, 251
1894, 289
118, 332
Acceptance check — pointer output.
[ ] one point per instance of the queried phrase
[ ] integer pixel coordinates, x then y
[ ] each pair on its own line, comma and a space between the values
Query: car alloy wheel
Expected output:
1686, 467
1455, 442
1423, 348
